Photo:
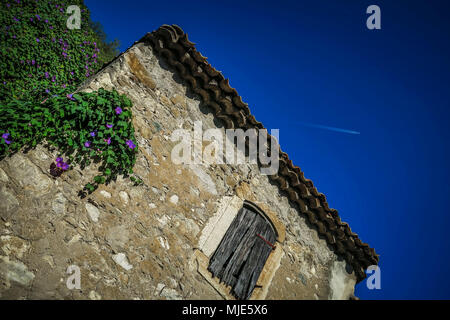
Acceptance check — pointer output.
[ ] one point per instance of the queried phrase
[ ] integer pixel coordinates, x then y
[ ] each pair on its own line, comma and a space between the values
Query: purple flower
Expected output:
33, 62
47, 91
87, 144
47, 75
59, 159
70, 96
108, 141
6, 137
38, 17
109, 126
92, 134
130, 144
118, 110
46, 20
15, 19
65, 166
37, 40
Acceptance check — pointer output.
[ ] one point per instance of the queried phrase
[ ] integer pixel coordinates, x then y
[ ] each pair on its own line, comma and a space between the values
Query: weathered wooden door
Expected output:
243, 251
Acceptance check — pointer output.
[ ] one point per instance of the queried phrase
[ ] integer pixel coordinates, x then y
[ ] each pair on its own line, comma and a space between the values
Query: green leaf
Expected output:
99, 179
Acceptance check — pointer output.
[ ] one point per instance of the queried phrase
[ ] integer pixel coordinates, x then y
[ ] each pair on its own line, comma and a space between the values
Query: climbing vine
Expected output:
42, 62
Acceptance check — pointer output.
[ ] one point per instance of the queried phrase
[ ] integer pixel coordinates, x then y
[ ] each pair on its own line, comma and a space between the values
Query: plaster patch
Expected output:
342, 284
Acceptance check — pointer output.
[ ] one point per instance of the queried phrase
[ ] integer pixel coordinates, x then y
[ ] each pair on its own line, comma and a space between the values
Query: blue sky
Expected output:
303, 66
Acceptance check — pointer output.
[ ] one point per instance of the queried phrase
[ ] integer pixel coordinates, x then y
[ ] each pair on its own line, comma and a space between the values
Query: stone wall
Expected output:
139, 242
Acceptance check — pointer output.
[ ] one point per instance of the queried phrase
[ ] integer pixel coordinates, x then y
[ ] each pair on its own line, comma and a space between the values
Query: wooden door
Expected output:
243, 251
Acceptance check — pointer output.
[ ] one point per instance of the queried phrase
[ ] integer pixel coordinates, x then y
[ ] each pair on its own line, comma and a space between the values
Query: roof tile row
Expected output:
173, 44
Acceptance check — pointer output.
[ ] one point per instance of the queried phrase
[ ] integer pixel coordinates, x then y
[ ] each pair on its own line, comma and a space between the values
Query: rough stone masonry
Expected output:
138, 242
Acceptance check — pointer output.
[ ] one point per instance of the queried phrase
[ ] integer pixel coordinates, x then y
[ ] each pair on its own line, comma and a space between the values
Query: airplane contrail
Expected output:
312, 125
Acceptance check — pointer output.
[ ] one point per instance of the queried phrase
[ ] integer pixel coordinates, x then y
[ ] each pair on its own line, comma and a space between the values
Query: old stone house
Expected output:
174, 236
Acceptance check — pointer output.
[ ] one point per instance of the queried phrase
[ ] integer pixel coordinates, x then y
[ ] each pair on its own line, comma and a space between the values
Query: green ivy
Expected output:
41, 65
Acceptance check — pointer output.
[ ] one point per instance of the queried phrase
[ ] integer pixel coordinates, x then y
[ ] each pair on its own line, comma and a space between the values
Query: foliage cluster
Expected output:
42, 63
